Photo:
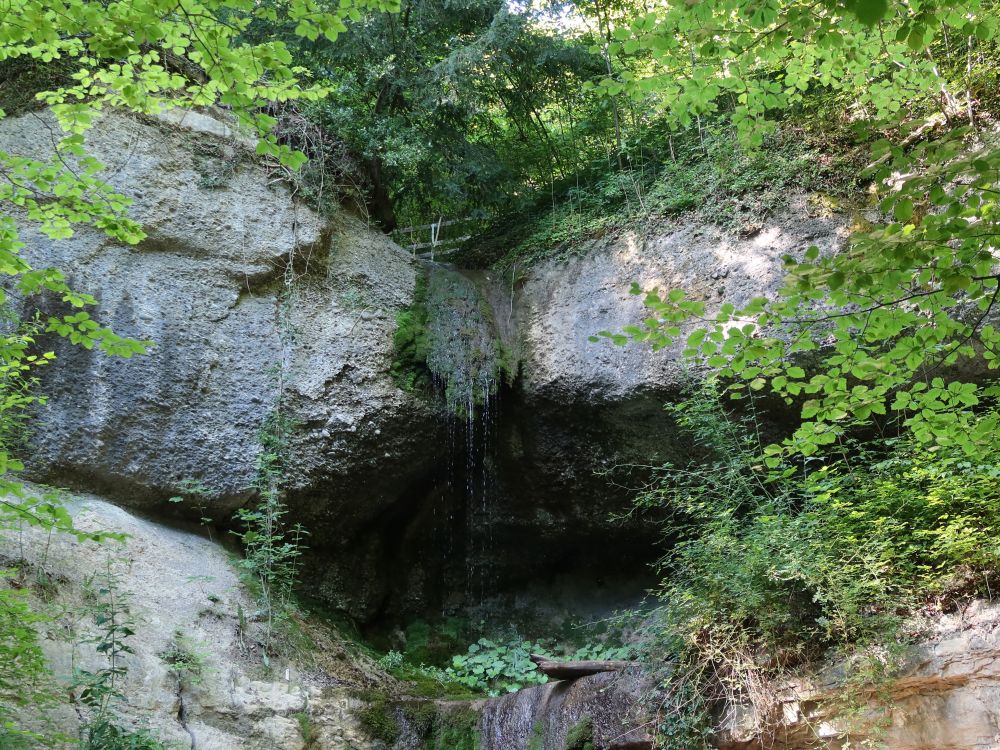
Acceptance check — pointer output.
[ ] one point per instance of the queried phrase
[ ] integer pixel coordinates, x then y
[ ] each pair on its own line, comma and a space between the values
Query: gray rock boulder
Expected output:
247, 295
602, 712
562, 303
234, 281
582, 413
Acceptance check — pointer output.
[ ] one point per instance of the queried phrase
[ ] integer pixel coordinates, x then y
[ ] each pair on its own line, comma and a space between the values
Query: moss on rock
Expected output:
454, 728
410, 342
581, 735
378, 717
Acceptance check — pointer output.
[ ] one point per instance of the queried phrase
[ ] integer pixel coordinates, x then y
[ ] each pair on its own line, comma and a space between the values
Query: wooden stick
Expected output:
572, 670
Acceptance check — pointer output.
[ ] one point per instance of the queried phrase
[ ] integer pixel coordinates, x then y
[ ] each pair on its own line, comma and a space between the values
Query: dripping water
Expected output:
464, 356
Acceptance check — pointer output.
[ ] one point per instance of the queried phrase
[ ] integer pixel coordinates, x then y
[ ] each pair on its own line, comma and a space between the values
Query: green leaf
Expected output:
903, 209
870, 12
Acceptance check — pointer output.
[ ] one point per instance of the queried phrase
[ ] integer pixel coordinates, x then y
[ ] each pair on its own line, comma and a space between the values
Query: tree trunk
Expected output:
382, 208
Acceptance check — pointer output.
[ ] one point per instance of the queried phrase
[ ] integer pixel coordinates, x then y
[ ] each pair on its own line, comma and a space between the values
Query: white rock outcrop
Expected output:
181, 593
946, 696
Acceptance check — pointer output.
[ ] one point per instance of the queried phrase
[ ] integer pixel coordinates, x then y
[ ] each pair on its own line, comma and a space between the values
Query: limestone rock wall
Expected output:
237, 281
179, 589
562, 303
234, 280
945, 697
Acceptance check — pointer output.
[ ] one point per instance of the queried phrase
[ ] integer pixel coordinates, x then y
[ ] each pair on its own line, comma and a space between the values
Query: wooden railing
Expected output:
431, 237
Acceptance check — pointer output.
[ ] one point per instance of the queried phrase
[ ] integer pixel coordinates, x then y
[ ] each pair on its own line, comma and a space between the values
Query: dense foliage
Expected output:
766, 571
882, 500
453, 107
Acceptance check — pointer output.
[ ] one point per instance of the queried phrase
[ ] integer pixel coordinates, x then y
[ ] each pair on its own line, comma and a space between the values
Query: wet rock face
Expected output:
602, 710
581, 413
463, 346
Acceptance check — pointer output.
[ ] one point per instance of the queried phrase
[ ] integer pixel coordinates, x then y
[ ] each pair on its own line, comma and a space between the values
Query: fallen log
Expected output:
572, 670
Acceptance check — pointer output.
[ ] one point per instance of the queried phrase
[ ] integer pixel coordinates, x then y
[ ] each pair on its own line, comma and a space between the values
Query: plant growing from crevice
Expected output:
272, 548
307, 728
109, 607
25, 680
198, 495
96, 693
377, 717
186, 659
390, 661
536, 740
453, 728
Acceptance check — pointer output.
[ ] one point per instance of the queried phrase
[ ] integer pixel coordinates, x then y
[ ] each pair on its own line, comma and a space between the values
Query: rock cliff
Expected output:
945, 696
237, 281
410, 505
193, 674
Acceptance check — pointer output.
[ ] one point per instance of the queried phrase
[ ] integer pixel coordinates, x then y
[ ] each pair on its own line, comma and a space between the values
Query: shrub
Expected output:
789, 563
502, 667
494, 667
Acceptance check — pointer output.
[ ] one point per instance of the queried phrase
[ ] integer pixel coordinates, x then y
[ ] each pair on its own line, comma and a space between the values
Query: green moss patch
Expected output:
378, 717
410, 342
581, 735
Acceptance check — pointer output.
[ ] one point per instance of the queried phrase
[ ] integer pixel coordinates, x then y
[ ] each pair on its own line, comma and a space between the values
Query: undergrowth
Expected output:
713, 180
489, 666
770, 570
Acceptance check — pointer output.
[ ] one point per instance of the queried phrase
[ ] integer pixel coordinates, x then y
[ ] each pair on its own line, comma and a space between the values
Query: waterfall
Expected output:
464, 351
465, 357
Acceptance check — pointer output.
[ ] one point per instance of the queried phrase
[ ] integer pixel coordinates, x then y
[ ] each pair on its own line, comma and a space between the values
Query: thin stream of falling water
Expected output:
470, 467
464, 355
487, 489
473, 430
